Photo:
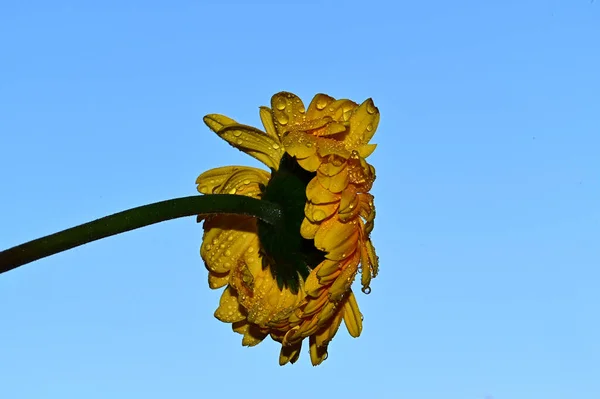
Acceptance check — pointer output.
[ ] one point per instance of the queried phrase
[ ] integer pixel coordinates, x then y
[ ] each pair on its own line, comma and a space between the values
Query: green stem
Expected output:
135, 218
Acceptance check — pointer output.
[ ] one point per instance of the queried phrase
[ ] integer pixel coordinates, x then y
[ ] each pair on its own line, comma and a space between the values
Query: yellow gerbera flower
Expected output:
295, 282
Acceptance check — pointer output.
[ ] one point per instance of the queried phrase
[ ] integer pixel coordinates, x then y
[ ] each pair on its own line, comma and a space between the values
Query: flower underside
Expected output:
290, 255
292, 280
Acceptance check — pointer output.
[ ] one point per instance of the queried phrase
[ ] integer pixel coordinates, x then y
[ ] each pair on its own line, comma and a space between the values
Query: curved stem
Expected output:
135, 218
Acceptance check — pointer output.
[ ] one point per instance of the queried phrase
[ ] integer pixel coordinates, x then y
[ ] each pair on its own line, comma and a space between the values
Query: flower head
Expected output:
295, 283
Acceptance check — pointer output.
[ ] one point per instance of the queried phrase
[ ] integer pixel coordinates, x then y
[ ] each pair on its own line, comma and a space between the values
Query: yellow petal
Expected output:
290, 353
328, 267
299, 144
363, 123
332, 235
336, 183
318, 212
217, 122
253, 142
366, 150
311, 163
251, 332
267, 120
317, 354
240, 180
217, 280
345, 248
229, 308
342, 284
349, 200
328, 146
332, 165
318, 106
308, 229
314, 305
317, 194
288, 110
225, 240
352, 316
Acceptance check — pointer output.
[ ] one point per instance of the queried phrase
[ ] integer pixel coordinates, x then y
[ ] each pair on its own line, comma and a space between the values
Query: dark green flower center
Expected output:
289, 255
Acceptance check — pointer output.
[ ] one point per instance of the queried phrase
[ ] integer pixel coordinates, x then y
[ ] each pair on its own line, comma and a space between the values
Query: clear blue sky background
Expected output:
488, 194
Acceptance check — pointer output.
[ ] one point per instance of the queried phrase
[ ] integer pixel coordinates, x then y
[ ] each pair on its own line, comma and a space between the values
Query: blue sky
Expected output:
488, 194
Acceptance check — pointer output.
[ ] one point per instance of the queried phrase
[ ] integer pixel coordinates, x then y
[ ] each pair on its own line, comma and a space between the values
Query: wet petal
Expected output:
288, 110
217, 280
253, 142
240, 180
336, 183
308, 229
290, 353
251, 332
318, 212
317, 194
226, 238
363, 124
300, 144
229, 309
267, 120
332, 234
352, 316
318, 106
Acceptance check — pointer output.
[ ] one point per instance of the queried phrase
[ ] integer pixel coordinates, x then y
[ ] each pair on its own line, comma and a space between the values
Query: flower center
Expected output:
289, 255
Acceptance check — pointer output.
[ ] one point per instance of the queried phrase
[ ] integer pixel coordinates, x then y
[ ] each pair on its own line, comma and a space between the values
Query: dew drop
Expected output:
208, 247
308, 145
215, 241
239, 142
366, 290
230, 238
301, 109
319, 214
282, 119
227, 265
247, 181
369, 127
203, 189
275, 146
371, 107
228, 253
321, 103
232, 191
280, 105
237, 133
222, 246
250, 250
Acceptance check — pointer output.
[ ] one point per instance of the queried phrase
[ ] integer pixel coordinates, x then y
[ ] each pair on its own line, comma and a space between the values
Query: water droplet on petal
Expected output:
321, 103
237, 133
319, 214
280, 105
250, 250
228, 253
203, 189
308, 145
282, 119
275, 146
371, 107
230, 238
366, 290
301, 109
222, 246
239, 142
232, 191
208, 247
369, 127
247, 181
215, 241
